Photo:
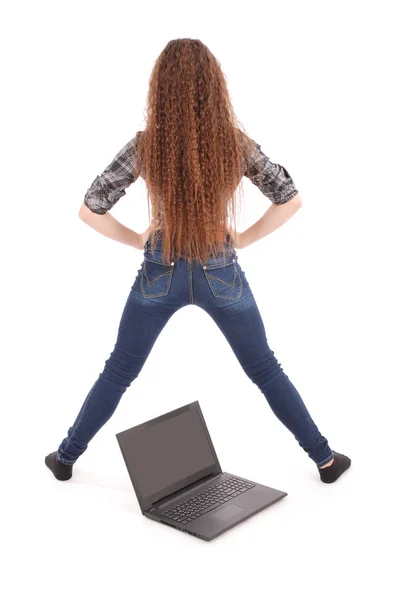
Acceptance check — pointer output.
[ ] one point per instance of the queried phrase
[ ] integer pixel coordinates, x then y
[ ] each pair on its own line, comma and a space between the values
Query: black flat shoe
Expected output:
332, 473
60, 470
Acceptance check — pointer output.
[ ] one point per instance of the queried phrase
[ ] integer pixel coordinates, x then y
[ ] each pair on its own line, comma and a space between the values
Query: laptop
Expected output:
177, 477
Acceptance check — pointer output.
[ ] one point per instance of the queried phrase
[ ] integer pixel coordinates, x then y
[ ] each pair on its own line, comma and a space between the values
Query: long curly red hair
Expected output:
193, 151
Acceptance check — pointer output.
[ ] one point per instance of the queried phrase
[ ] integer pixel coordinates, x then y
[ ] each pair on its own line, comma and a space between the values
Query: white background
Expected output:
316, 85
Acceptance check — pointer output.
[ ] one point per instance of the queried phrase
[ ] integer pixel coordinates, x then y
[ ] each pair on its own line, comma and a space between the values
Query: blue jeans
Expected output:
219, 287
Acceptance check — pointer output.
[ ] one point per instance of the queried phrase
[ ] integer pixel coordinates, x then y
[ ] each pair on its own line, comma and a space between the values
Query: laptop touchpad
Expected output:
227, 512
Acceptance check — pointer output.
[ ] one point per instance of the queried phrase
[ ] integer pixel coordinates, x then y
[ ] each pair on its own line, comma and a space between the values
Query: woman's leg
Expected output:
243, 328
233, 308
141, 322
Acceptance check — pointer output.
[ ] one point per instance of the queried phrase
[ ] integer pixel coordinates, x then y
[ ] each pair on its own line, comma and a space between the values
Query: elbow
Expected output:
297, 200
85, 213
292, 199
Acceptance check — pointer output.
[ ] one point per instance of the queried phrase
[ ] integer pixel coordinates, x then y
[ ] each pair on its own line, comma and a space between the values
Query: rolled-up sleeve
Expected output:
108, 187
273, 180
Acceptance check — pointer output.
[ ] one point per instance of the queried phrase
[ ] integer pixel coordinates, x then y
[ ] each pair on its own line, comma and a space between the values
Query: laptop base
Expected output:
221, 518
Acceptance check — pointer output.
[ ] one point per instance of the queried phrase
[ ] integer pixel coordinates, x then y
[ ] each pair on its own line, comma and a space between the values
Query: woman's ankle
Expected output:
328, 464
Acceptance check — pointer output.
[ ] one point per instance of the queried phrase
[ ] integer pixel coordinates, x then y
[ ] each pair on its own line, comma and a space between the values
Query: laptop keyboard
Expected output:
211, 498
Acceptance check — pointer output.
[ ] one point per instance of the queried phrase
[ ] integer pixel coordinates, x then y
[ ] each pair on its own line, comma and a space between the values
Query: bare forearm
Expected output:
275, 216
109, 226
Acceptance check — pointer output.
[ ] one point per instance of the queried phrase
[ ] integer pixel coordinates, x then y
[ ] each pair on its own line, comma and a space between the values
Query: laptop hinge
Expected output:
182, 490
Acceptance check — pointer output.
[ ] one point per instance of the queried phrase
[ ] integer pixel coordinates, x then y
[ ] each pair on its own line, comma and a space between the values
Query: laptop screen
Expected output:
167, 453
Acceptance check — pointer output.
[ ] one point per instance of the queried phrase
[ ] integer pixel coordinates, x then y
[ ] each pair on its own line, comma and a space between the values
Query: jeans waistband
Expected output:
159, 241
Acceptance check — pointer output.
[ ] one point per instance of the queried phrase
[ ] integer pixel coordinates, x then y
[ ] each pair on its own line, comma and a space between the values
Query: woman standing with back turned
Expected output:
192, 155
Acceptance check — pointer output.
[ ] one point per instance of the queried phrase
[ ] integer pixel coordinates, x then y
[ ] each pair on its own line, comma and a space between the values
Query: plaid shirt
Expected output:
108, 187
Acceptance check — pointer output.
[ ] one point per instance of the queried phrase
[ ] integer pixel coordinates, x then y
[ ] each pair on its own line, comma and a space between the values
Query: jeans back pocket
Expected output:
224, 279
156, 278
